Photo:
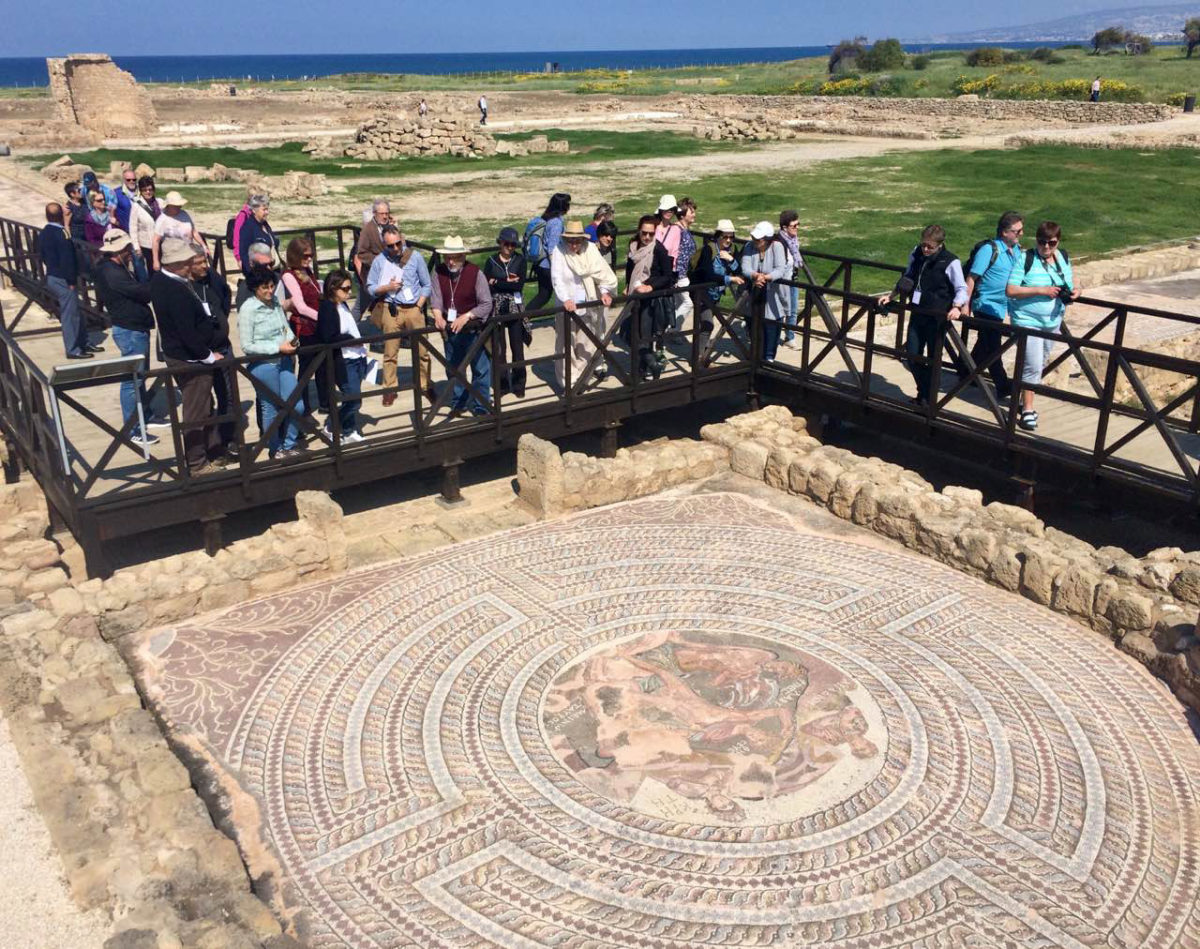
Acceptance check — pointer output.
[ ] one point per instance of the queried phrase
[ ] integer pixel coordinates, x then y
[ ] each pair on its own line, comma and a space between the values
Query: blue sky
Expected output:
381, 26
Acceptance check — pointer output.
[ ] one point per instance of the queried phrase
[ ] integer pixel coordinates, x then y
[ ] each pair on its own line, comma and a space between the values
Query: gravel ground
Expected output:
36, 908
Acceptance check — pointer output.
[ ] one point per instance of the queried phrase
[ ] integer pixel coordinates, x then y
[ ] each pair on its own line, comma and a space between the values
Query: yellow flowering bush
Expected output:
966, 86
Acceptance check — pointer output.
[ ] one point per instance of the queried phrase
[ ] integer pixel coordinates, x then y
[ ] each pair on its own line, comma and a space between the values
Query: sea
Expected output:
31, 71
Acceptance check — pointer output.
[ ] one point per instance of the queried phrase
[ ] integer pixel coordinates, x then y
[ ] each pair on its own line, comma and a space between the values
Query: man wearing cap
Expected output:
764, 261
93, 184
579, 274
461, 303
62, 271
505, 273
398, 283
174, 223
190, 335
127, 302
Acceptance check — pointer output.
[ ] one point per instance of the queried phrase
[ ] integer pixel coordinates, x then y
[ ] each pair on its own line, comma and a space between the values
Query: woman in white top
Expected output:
175, 222
579, 274
336, 324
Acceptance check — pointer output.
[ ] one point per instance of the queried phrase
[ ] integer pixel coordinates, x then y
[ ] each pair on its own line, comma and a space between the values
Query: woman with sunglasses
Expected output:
1039, 290
336, 324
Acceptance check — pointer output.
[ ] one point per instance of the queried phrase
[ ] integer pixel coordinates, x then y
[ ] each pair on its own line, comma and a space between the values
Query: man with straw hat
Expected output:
174, 223
579, 274
461, 303
127, 302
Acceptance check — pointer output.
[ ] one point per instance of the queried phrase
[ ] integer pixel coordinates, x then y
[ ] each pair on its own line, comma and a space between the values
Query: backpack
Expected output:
229, 233
533, 244
971, 259
1030, 256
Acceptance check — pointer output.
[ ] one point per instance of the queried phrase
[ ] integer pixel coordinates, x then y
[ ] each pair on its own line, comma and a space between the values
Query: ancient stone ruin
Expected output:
89, 91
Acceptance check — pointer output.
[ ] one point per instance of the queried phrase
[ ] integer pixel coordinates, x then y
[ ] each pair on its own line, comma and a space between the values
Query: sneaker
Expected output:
354, 437
601, 373
145, 438
660, 357
1028, 420
158, 422
285, 453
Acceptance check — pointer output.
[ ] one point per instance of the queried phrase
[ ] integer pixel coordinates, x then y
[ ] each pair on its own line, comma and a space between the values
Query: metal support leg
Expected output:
608, 440
213, 539
451, 491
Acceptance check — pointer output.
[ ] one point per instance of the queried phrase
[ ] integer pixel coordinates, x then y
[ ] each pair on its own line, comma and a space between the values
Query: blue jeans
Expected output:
133, 343
457, 345
74, 328
793, 312
770, 329
356, 369
279, 376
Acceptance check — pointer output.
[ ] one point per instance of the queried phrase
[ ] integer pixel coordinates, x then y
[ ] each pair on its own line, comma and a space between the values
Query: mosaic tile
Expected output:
687, 722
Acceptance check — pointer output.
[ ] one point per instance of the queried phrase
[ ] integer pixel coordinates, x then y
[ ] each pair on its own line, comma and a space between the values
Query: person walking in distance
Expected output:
62, 273
1039, 290
934, 277
1095, 97
483, 107
988, 269
422, 109
398, 283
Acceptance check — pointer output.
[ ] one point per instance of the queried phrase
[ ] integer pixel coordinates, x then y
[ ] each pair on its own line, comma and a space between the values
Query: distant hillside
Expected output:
1157, 22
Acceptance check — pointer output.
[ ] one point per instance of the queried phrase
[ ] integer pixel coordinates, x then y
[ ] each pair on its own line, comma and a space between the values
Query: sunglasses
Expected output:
307, 257
345, 288
1046, 243
645, 233
392, 246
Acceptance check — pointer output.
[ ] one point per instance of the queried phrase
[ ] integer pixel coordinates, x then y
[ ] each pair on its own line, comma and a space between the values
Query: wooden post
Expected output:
608, 439
451, 489
213, 539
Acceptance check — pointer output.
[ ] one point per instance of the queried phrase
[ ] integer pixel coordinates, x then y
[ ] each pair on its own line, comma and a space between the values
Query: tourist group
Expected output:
153, 269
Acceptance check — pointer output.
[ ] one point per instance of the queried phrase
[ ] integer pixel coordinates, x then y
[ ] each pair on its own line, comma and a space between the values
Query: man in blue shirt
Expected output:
62, 272
987, 278
398, 286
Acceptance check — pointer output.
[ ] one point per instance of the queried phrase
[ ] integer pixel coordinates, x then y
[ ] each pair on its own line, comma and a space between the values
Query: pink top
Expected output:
297, 295
668, 235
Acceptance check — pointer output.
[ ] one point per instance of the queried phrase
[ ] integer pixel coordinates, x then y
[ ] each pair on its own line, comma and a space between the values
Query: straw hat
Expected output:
115, 241
574, 229
174, 200
761, 230
667, 203
175, 251
725, 226
453, 244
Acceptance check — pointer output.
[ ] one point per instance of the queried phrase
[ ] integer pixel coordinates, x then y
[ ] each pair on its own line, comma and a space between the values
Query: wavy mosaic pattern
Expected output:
688, 722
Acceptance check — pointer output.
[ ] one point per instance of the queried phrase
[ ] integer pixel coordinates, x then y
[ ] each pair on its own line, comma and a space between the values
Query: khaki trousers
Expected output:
581, 349
406, 318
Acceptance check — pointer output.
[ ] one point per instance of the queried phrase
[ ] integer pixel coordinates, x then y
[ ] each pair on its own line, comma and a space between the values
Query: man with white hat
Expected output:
579, 275
461, 302
127, 302
764, 261
191, 335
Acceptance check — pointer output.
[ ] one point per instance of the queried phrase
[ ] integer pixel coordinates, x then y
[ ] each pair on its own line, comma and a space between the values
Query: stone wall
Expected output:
765, 128
553, 483
134, 836
1147, 606
384, 139
90, 91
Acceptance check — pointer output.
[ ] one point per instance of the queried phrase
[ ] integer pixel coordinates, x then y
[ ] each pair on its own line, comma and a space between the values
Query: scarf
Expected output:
590, 268
643, 259
151, 207
99, 217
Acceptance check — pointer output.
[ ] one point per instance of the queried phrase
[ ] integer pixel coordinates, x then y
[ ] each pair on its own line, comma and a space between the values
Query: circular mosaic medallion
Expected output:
691, 723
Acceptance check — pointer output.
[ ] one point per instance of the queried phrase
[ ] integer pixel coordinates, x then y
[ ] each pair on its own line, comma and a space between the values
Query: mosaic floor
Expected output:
690, 722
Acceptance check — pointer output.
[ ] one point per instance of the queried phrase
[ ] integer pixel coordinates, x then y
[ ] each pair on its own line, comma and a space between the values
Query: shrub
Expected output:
844, 87
845, 55
1043, 54
1107, 38
986, 56
883, 56
1111, 90
1022, 69
1014, 56
1138, 44
920, 63
1175, 98
966, 86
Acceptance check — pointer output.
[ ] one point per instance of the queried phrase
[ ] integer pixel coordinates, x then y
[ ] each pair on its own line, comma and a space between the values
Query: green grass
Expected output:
587, 146
1161, 74
874, 208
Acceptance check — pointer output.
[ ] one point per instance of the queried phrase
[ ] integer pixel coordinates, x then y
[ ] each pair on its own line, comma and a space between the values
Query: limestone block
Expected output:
1186, 585
194, 174
1042, 567
866, 505
45, 581
66, 602
845, 492
1016, 518
123, 622
1158, 575
823, 478
978, 547
1076, 591
779, 462
144, 171
159, 771
29, 623
171, 175
1005, 567
967, 496
540, 475
750, 459
1130, 611
538, 145
936, 535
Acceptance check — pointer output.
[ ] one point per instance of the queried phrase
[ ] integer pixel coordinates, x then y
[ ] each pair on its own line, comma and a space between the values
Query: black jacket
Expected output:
126, 300
329, 330
185, 331
58, 253
508, 279
662, 271
253, 232
929, 275
214, 290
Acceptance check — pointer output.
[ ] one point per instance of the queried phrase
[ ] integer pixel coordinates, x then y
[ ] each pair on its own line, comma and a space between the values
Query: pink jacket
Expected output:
237, 230
668, 235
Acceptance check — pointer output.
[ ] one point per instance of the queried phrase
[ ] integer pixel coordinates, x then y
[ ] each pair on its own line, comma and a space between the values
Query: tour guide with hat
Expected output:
579, 274
127, 302
505, 272
460, 303
190, 334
